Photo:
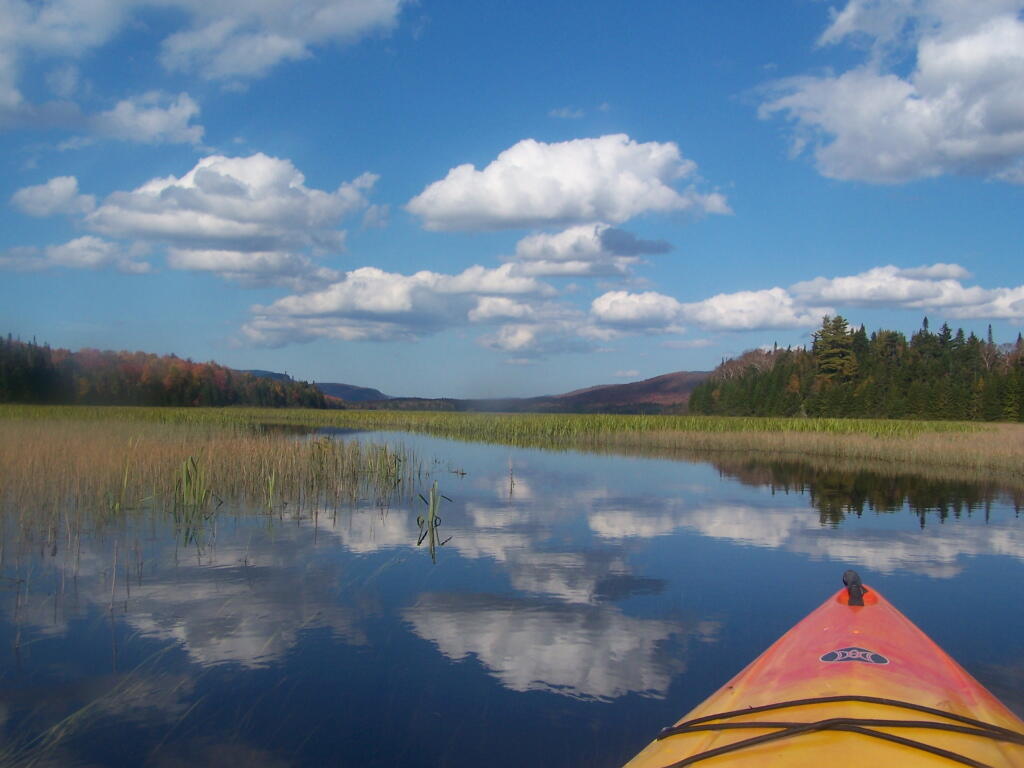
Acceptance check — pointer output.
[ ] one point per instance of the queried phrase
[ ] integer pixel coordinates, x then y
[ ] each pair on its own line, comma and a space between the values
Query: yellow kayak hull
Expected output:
865, 688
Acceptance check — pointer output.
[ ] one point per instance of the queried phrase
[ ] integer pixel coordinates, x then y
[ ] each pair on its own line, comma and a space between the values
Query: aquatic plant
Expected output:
428, 525
192, 496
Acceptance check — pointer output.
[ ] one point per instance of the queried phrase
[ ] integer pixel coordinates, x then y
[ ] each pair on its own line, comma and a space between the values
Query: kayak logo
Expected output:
855, 654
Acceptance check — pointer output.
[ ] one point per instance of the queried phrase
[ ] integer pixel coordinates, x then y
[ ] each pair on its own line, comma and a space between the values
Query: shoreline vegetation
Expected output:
847, 373
62, 469
36, 373
257, 439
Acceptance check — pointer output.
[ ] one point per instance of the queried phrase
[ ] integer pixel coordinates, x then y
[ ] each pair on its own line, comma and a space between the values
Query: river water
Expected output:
571, 606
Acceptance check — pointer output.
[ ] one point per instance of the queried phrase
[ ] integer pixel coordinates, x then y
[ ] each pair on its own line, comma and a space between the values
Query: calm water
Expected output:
570, 615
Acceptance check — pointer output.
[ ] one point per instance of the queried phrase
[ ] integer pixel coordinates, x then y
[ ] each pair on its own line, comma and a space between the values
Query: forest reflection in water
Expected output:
836, 492
580, 601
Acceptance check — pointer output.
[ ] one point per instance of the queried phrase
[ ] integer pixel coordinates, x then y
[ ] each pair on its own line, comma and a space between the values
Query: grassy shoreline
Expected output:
982, 452
92, 470
509, 428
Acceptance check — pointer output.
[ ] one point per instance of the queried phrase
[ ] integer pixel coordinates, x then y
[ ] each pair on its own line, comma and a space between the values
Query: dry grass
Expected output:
970, 452
243, 463
114, 467
500, 427
991, 455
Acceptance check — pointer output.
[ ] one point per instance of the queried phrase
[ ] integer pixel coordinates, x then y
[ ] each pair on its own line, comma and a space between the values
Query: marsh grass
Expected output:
993, 456
504, 428
192, 497
92, 471
982, 452
972, 452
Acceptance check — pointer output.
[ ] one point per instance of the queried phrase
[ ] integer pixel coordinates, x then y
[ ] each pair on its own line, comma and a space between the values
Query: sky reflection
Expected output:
592, 581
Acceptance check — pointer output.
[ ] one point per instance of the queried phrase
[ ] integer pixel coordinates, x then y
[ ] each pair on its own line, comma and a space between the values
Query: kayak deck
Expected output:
849, 685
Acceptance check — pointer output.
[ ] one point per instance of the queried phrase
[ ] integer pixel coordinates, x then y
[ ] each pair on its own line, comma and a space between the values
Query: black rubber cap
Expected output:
854, 587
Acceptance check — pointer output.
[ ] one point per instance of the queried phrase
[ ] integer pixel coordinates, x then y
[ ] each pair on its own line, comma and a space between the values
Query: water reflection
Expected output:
939, 554
837, 493
604, 588
242, 600
244, 612
585, 651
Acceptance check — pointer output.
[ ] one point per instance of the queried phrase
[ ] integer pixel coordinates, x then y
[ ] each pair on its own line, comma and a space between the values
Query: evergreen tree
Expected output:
946, 375
833, 351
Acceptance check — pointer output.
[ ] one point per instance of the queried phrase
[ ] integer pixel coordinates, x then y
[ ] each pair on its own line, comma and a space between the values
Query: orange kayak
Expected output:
856, 683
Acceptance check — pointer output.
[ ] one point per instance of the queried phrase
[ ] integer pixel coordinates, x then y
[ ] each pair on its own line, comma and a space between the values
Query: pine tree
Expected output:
833, 351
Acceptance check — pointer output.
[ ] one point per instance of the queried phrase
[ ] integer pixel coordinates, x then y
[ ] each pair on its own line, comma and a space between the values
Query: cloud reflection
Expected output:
582, 651
241, 601
939, 551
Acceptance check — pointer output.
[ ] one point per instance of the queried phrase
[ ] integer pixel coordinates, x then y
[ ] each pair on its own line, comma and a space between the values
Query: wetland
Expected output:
198, 586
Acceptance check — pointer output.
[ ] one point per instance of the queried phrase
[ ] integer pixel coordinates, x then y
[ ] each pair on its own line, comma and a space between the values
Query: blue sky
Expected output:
505, 198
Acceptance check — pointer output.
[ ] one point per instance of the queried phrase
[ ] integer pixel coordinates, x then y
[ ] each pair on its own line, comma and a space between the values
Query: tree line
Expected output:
846, 372
35, 373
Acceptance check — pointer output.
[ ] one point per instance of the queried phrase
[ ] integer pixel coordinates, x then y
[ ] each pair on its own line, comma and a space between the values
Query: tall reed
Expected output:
986, 450
115, 467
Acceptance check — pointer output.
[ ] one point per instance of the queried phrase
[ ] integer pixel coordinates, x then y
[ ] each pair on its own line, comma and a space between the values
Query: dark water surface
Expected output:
570, 615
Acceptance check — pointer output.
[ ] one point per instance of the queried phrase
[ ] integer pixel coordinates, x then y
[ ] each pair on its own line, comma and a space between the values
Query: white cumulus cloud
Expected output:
86, 252
938, 286
655, 312
585, 250
515, 337
891, 286
58, 195
243, 203
31, 33
549, 328
235, 38
255, 268
1001, 303
247, 218
250, 219
637, 310
152, 118
217, 39
498, 308
753, 310
49, 28
532, 184
371, 304
959, 111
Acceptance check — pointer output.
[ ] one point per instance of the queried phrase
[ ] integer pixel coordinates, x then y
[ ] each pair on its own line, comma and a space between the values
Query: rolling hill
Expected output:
667, 393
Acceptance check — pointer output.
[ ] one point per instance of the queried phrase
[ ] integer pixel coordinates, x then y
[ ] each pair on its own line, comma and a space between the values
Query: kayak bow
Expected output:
856, 683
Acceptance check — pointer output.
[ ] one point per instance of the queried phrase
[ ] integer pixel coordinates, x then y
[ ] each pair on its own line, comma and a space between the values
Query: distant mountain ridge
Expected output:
348, 392
351, 393
35, 373
667, 393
